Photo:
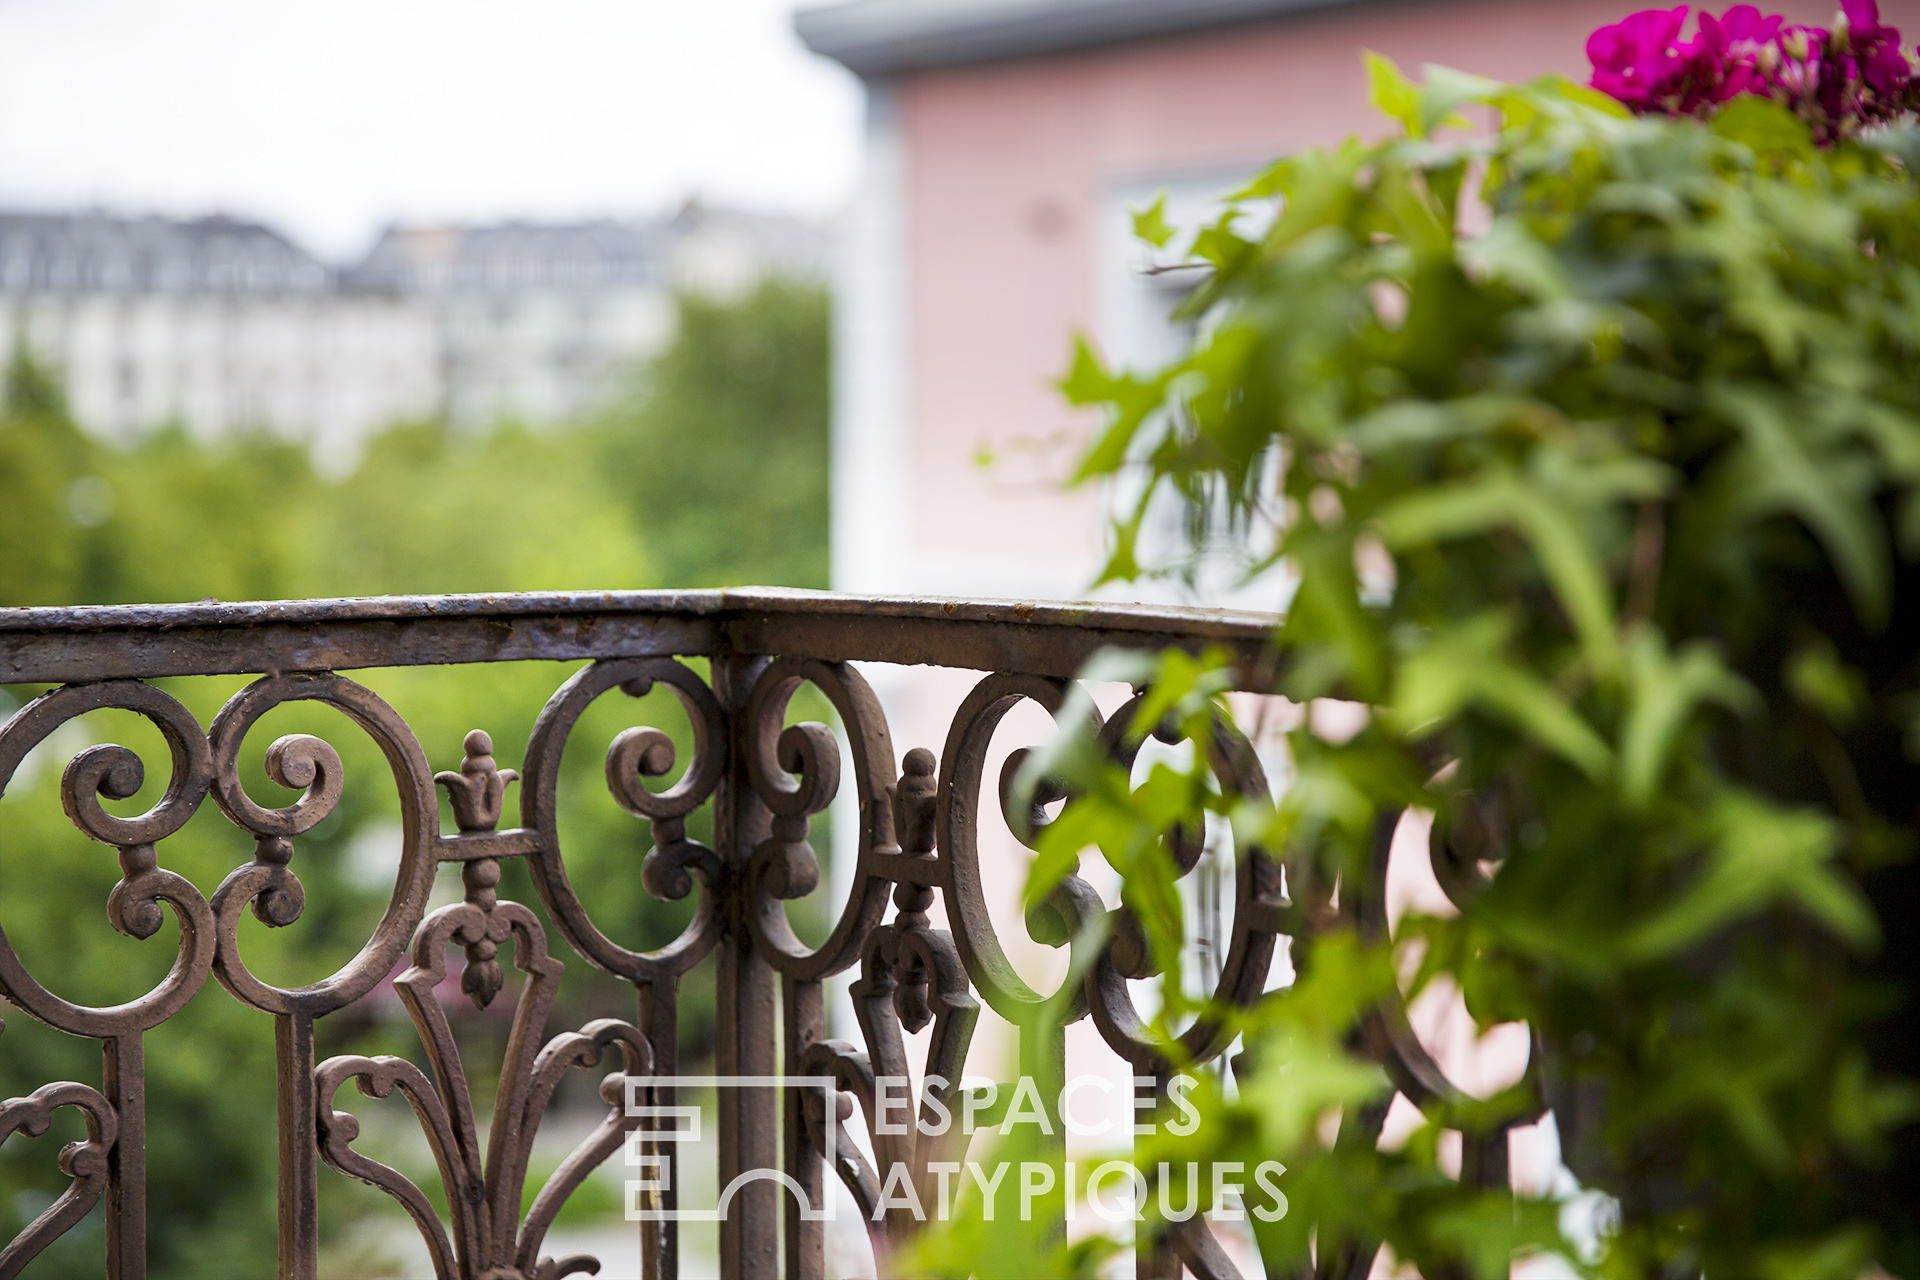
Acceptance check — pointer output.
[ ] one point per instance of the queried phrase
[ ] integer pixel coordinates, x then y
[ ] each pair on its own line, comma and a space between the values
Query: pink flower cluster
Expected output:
1836, 79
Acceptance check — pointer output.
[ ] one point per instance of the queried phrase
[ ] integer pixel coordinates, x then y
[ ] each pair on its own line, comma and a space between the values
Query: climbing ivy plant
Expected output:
1584, 449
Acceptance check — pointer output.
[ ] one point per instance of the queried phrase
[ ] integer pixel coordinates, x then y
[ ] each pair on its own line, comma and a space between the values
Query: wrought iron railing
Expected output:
763, 778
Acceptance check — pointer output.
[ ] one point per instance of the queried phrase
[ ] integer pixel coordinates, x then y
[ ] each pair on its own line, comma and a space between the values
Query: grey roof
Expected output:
569, 256
106, 253
881, 37
96, 252
512, 256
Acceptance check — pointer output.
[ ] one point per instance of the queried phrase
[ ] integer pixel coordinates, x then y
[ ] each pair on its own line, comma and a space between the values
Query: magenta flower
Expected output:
1875, 48
1862, 19
1730, 55
1640, 59
1835, 80
1809, 79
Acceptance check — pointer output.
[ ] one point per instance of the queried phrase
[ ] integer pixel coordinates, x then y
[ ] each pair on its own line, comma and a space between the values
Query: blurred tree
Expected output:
42, 456
32, 390
722, 454
185, 519
431, 509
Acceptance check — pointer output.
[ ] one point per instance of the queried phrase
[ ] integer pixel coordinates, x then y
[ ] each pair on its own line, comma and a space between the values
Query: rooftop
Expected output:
882, 37
433, 259
108, 253
98, 252
508, 256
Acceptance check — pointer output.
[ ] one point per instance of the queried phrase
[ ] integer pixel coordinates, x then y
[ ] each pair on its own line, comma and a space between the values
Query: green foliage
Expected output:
712, 471
41, 455
734, 411
32, 390
1632, 407
430, 511
1152, 226
725, 445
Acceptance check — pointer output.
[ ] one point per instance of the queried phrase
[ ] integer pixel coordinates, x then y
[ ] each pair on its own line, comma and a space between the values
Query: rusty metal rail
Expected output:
763, 780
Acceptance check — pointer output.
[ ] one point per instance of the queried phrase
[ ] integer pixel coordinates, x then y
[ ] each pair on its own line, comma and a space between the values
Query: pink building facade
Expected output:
1006, 141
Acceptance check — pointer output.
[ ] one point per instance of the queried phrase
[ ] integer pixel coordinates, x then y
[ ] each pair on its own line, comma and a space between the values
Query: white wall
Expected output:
328, 370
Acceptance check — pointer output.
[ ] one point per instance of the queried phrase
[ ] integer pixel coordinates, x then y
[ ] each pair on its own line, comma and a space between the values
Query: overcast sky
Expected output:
330, 118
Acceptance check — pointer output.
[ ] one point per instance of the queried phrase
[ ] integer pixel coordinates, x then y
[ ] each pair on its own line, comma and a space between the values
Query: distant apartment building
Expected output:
225, 325
216, 323
542, 322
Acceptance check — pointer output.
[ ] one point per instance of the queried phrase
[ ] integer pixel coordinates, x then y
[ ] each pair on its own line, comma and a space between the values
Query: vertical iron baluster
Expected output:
299, 1148
746, 1008
806, 1025
125, 1085
1153, 1254
659, 1018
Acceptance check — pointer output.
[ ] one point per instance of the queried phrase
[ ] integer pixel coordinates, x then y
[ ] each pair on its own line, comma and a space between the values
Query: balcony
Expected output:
734, 662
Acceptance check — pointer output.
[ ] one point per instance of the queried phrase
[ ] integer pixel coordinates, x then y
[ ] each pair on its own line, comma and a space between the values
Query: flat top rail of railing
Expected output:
103, 642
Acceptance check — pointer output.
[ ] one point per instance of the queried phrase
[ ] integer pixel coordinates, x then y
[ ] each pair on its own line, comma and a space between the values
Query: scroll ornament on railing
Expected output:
115, 1114
484, 1189
912, 975
489, 1236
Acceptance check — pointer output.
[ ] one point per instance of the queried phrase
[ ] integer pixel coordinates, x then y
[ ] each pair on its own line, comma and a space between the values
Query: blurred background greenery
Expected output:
710, 470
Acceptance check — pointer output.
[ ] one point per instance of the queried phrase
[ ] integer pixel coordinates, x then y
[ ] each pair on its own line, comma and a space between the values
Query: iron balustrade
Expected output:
764, 780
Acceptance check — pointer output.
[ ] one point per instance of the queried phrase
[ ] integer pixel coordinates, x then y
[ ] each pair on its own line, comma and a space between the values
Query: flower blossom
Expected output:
1836, 80
1874, 49
1734, 52
1640, 59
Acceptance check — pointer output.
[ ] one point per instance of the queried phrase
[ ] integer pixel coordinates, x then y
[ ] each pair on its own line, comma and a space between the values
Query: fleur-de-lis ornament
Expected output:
479, 788
477, 792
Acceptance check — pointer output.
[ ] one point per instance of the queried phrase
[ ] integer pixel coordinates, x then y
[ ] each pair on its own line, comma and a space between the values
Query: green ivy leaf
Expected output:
1665, 690
1150, 224
1768, 127
1446, 90
1463, 666
1499, 499
1393, 93
1777, 471
1816, 676
1761, 853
